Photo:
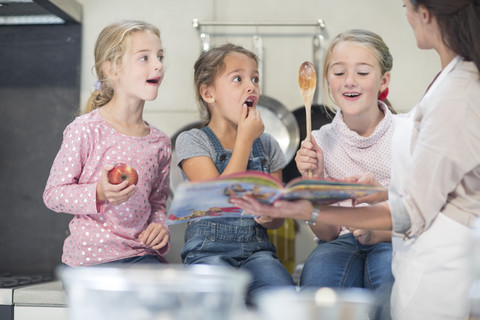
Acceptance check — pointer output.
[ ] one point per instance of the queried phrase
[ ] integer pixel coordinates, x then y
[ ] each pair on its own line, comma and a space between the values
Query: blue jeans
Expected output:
147, 259
346, 263
241, 243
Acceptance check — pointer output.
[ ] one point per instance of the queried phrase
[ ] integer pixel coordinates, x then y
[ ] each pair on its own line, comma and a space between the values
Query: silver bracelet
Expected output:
313, 218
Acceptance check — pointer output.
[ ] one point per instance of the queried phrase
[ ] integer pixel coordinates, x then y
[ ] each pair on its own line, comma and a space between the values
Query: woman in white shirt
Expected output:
435, 192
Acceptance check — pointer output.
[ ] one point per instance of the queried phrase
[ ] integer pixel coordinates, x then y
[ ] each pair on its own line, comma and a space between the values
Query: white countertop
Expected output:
46, 293
6, 296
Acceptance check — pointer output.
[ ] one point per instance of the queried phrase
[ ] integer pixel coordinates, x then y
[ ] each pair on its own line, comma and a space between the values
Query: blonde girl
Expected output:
115, 223
356, 75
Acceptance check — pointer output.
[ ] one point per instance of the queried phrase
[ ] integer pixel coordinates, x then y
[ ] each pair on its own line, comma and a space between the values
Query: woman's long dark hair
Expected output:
459, 22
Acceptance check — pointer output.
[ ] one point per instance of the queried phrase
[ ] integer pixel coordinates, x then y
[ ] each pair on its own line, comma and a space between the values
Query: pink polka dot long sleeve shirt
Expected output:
101, 232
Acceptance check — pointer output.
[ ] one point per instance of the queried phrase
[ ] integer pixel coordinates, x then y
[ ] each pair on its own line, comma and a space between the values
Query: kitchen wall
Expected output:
284, 50
39, 93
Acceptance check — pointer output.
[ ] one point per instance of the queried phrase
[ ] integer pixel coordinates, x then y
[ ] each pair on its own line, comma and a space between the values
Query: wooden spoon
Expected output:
307, 81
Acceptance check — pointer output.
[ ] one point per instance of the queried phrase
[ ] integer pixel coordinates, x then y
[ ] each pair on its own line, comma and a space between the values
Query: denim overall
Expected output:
238, 242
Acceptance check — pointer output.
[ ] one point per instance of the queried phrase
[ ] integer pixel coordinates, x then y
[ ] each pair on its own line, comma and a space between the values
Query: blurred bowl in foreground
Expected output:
154, 292
323, 303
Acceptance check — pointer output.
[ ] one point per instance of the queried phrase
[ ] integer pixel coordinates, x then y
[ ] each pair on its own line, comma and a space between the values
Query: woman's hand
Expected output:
300, 209
375, 217
310, 157
154, 236
113, 193
370, 180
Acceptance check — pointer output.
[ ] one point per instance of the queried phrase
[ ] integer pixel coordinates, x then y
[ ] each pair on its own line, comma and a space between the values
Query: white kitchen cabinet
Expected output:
40, 313
44, 301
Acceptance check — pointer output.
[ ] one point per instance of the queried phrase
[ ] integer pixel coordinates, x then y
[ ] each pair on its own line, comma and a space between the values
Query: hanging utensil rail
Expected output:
197, 24
319, 38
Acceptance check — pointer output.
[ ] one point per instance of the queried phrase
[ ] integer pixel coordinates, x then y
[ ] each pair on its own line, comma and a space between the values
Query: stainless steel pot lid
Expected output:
281, 124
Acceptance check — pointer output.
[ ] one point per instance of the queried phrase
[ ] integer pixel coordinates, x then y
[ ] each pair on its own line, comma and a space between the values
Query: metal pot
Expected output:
278, 120
281, 124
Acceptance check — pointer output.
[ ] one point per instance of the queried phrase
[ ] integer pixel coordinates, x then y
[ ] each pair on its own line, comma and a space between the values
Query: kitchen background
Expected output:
46, 75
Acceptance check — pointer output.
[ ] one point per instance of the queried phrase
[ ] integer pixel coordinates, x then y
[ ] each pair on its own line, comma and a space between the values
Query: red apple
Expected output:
122, 172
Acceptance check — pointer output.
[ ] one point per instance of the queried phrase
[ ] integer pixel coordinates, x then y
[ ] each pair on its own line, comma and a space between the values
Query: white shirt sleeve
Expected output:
445, 151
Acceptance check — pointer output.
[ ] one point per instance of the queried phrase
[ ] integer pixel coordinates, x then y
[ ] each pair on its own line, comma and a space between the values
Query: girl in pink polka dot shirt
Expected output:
115, 223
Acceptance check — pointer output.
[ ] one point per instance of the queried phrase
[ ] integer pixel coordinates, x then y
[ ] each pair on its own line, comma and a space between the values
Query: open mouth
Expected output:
250, 102
153, 80
351, 95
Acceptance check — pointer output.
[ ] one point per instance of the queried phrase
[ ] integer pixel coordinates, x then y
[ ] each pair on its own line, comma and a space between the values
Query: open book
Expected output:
209, 199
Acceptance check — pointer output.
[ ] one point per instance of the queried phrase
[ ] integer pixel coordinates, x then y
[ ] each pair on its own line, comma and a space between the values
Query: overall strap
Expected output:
217, 145
258, 150
222, 156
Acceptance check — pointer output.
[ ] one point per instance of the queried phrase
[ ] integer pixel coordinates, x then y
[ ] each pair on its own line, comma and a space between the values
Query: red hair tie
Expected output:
383, 95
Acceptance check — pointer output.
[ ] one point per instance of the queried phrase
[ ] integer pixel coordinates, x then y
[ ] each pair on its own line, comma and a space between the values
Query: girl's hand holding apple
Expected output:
113, 193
